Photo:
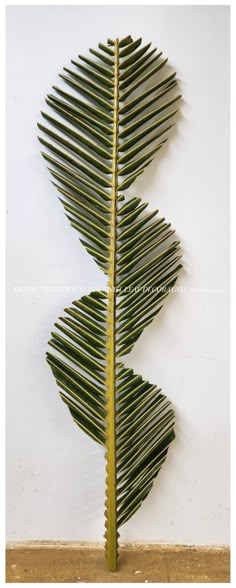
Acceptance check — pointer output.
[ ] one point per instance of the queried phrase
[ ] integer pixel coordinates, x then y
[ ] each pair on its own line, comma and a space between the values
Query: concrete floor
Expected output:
74, 563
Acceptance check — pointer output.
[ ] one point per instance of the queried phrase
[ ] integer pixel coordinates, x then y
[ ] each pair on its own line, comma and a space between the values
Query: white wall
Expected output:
55, 472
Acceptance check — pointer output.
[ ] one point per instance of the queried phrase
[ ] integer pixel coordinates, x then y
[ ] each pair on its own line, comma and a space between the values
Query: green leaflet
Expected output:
103, 127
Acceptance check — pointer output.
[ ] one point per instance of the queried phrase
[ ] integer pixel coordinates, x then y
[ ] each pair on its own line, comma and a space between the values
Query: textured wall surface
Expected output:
55, 473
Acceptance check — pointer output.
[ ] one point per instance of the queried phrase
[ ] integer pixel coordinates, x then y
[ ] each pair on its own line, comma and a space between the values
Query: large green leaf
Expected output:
103, 128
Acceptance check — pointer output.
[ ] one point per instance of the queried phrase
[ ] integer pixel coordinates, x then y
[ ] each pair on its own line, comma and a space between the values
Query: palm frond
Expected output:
104, 126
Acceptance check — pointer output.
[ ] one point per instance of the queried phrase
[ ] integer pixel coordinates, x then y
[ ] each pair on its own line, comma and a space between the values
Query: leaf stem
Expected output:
111, 514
